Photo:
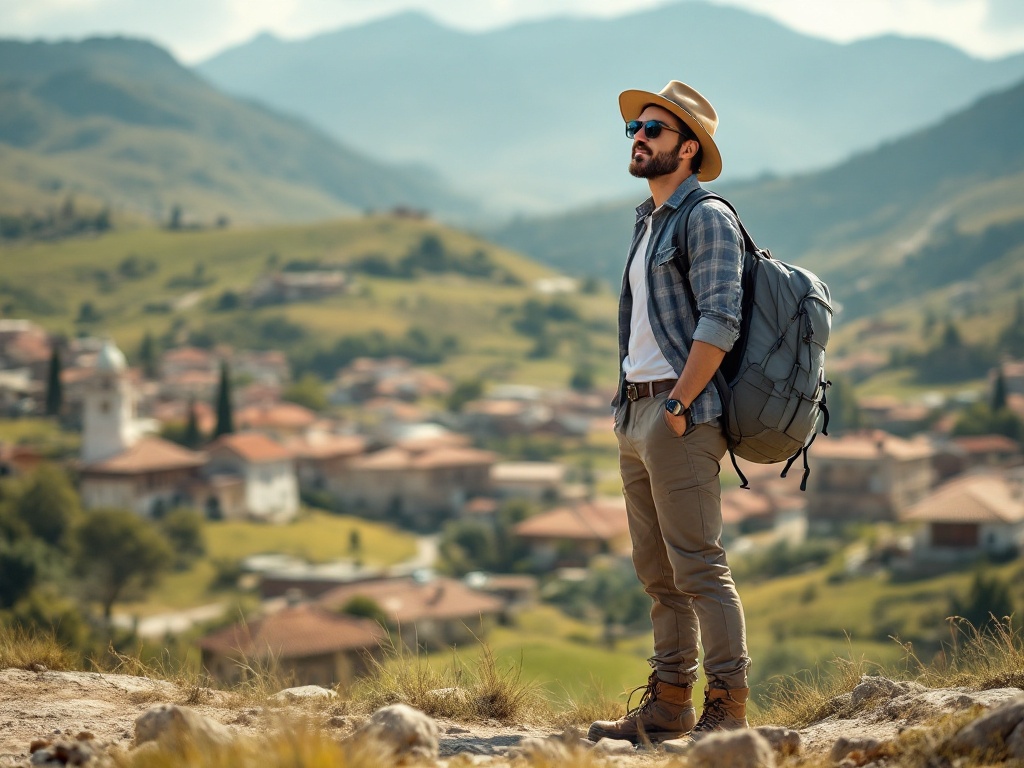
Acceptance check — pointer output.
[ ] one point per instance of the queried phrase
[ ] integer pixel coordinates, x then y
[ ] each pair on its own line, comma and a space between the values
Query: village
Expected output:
406, 453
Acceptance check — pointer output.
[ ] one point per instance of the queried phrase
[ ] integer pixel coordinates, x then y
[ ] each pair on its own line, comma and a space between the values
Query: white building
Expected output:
266, 468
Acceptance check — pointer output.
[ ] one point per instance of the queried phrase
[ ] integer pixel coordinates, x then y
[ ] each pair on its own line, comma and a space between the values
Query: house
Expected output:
24, 345
532, 480
571, 535
287, 287
151, 476
970, 516
770, 515
306, 644
321, 459
962, 454
266, 468
18, 460
420, 487
434, 612
866, 477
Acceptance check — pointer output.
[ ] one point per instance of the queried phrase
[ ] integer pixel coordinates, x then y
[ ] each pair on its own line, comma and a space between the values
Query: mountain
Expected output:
120, 120
903, 223
526, 116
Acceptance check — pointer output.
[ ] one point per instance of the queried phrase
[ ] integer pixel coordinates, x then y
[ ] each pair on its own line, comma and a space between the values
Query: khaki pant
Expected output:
674, 505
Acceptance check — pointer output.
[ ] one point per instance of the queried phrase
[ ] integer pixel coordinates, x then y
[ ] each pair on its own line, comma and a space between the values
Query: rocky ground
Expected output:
80, 718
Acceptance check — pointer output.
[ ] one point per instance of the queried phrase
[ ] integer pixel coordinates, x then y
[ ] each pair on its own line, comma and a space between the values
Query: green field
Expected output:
315, 537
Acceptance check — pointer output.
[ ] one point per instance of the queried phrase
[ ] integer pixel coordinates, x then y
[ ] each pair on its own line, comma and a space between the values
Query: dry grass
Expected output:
24, 649
985, 658
195, 687
799, 700
489, 692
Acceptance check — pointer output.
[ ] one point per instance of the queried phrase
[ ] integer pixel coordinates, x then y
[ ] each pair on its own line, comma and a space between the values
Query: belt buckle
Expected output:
632, 393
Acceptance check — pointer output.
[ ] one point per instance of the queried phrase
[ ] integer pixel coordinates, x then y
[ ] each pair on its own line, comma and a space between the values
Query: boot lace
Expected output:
648, 697
712, 716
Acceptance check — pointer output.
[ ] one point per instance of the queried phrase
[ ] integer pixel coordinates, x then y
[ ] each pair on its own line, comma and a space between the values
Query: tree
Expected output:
192, 438
365, 608
54, 388
582, 379
225, 419
148, 356
183, 528
49, 505
117, 549
21, 564
988, 600
999, 391
465, 391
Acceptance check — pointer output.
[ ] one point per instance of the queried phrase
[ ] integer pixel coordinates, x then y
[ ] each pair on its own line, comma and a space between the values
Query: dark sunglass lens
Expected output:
652, 128
632, 127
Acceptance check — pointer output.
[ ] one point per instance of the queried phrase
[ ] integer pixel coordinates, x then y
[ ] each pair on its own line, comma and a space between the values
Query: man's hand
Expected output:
676, 424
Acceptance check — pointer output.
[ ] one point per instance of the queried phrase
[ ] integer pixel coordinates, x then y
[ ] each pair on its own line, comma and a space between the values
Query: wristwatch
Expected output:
676, 408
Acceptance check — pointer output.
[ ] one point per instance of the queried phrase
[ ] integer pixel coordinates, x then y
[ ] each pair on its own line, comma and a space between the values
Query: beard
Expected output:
660, 164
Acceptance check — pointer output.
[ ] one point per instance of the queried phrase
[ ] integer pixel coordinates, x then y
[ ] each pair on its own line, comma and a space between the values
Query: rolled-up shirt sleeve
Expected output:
715, 245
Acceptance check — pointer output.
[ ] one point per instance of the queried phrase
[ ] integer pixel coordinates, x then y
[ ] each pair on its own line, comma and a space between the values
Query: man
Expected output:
667, 419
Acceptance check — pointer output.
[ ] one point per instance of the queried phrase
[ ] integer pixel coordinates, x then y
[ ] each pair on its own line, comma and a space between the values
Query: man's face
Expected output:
650, 158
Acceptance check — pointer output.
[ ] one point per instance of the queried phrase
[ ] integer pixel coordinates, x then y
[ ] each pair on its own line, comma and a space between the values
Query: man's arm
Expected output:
700, 367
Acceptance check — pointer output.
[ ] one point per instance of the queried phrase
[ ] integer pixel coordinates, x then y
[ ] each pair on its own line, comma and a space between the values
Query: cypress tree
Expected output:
54, 389
192, 438
147, 356
999, 391
225, 420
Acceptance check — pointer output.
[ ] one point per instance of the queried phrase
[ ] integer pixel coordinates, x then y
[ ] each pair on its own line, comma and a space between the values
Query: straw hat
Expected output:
689, 106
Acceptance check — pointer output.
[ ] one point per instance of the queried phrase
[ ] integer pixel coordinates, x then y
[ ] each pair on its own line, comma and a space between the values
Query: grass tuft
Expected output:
798, 700
25, 649
980, 658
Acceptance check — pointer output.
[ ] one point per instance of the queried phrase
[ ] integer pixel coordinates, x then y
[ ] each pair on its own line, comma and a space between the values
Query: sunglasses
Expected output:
652, 128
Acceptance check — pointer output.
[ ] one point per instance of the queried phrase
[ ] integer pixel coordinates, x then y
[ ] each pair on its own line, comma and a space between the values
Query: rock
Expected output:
875, 687
608, 746
858, 750
64, 752
737, 749
535, 749
303, 693
784, 741
172, 725
990, 731
1015, 743
403, 731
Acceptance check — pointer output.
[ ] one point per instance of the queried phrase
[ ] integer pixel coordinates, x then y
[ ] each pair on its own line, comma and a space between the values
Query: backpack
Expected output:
772, 383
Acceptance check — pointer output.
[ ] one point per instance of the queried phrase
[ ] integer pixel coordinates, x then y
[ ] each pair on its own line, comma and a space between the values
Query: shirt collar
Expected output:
646, 208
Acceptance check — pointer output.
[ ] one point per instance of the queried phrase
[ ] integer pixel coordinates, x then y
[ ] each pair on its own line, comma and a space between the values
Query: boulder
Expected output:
991, 731
737, 749
402, 731
302, 694
175, 726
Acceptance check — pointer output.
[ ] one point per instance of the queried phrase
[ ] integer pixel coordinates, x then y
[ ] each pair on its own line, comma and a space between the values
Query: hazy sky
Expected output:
196, 29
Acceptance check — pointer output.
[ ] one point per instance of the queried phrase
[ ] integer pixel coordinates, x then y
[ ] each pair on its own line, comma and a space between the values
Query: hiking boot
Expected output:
665, 712
724, 710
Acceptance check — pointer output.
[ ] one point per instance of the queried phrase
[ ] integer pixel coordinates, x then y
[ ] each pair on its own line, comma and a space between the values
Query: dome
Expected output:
110, 359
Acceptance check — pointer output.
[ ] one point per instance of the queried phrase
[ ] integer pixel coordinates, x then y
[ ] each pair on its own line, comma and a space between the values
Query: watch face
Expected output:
674, 407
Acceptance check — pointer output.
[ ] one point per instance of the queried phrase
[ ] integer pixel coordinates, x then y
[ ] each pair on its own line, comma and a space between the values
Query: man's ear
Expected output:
688, 149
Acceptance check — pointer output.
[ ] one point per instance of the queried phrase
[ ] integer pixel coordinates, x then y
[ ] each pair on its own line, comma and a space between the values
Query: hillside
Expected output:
907, 227
120, 121
414, 287
526, 115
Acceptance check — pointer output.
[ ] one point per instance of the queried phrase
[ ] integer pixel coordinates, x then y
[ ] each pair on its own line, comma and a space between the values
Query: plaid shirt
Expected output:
715, 246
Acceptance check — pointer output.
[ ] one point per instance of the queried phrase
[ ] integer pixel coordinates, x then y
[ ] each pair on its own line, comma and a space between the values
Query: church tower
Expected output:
108, 426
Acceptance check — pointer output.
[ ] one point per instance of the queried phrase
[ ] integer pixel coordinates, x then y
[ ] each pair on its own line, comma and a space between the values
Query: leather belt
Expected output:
648, 388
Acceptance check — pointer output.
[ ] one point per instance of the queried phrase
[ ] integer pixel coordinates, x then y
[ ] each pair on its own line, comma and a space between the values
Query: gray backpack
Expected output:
772, 383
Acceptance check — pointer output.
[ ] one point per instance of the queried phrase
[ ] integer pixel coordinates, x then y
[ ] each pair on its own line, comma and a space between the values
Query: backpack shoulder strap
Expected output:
689, 203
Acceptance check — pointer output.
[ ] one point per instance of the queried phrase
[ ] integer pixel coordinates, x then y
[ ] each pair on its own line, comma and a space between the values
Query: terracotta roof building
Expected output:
977, 514
571, 535
866, 476
267, 469
307, 643
432, 613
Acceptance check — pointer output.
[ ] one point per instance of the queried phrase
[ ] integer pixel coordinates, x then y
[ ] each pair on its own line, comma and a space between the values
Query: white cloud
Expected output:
195, 29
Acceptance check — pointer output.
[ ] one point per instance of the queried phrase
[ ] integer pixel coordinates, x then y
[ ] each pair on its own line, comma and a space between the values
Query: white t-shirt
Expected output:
643, 361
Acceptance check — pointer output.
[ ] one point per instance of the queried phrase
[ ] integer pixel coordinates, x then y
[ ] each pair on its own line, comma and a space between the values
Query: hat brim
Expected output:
632, 103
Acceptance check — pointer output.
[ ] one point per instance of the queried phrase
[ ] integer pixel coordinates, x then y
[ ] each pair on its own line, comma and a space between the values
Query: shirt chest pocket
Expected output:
668, 258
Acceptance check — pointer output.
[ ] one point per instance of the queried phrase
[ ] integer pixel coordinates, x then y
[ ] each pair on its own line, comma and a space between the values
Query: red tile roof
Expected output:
981, 498
254, 447
871, 445
987, 444
406, 601
602, 520
296, 632
149, 454
269, 415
